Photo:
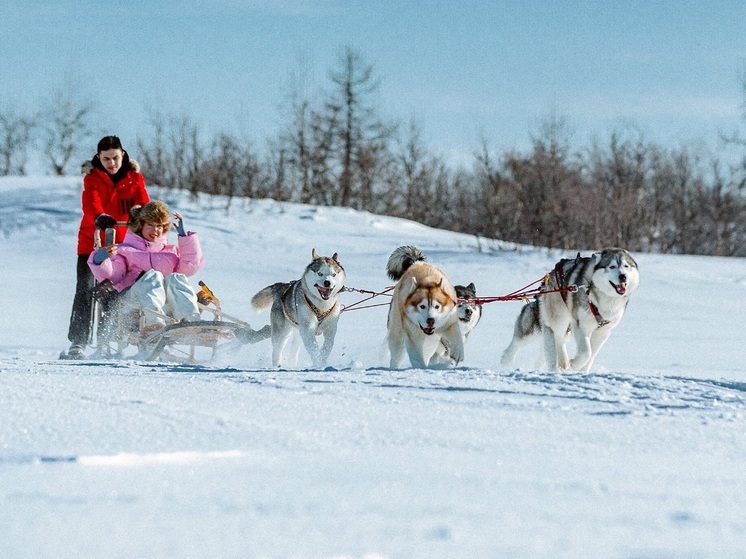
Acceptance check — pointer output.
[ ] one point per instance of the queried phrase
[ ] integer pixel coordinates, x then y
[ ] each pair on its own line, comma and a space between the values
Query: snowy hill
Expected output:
641, 458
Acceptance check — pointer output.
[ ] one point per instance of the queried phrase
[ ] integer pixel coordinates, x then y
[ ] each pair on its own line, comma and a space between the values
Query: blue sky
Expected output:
463, 70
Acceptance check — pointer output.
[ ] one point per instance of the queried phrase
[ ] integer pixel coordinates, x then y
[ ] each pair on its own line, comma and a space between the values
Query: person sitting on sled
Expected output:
148, 272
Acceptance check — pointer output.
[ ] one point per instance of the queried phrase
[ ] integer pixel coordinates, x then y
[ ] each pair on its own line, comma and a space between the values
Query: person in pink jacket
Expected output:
150, 273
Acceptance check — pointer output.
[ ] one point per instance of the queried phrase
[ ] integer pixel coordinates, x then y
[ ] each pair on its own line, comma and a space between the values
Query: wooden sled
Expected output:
185, 342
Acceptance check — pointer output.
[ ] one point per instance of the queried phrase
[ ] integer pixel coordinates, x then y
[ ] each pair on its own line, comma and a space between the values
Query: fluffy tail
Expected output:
401, 259
264, 298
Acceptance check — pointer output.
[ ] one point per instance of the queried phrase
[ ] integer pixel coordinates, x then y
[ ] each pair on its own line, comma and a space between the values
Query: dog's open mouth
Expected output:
324, 292
620, 288
429, 330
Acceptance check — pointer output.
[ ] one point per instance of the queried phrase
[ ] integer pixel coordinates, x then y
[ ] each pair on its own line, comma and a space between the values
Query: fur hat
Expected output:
155, 211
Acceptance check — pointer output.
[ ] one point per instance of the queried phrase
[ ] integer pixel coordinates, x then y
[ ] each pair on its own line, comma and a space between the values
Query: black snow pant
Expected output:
80, 319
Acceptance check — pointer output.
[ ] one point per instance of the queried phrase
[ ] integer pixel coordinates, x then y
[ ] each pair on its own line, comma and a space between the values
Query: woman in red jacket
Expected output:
110, 189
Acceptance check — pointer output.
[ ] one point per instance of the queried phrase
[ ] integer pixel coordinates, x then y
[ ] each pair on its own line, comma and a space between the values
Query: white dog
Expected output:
604, 283
309, 306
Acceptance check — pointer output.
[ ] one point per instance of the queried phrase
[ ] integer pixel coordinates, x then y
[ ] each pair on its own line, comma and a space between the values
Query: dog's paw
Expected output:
456, 355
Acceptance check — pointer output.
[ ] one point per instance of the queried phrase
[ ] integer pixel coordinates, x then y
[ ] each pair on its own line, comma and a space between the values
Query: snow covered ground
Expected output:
642, 458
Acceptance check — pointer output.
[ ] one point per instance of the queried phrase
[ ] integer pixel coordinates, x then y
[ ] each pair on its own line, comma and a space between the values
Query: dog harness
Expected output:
559, 278
559, 273
597, 315
319, 314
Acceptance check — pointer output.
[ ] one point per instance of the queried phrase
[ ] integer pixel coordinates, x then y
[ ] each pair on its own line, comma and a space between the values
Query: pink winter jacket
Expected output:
136, 255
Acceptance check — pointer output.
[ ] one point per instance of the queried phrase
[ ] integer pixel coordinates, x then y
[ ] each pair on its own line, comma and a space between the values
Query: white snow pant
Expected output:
157, 295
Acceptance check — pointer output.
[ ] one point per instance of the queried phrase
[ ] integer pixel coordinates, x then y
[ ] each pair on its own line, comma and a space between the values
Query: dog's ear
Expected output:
314, 254
412, 286
596, 259
628, 256
472, 287
334, 257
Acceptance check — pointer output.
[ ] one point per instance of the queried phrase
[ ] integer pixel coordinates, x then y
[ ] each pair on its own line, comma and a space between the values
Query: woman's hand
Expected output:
103, 253
179, 225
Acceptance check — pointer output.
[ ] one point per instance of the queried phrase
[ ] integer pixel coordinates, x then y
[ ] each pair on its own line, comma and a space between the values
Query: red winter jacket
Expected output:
102, 196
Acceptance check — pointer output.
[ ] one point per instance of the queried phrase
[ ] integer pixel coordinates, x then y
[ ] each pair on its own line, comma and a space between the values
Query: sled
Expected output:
185, 342
116, 329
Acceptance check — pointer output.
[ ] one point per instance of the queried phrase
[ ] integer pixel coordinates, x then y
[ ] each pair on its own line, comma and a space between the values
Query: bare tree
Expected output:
725, 207
152, 154
323, 189
174, 154
359, 129
618, 181
276, 186
736, 138
415, 175
66, 122
15, 139
545, 181
308, 152
495, 201
230, 169
299, 142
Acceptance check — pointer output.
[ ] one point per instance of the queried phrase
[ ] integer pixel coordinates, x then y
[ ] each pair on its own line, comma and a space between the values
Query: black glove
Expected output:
104, 221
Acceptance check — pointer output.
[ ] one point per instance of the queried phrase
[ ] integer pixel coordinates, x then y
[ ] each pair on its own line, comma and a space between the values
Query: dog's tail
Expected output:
528, 322
401, 259
264, 298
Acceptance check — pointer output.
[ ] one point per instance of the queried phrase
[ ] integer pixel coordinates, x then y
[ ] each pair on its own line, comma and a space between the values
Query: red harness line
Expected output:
522, 294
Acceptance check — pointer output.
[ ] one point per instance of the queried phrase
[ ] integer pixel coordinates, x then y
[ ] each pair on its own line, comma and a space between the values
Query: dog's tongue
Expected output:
428, 329
324, 291
621, 288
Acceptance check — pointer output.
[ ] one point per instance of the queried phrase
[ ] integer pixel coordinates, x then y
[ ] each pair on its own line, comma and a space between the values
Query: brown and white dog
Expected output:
423, 311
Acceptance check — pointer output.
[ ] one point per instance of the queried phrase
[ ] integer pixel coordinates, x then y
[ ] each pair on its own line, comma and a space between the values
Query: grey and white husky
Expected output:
308, 306
469, 311
604, 283
469, 308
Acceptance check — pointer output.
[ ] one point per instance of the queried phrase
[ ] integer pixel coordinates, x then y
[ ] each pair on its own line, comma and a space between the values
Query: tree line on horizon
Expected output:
336, 149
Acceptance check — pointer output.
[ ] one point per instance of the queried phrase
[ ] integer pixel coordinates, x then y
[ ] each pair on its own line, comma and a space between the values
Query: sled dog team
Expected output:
430, 319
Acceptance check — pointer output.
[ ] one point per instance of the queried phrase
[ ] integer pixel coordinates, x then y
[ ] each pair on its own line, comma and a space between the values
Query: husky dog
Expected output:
604, 283
423, 310
309, 306
469, 308
469, 313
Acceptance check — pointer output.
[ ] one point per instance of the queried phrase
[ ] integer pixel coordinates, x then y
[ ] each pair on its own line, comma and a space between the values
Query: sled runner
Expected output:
117, 332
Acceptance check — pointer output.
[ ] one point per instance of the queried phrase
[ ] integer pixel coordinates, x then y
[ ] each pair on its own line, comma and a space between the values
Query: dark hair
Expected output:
109, 142
105, 144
